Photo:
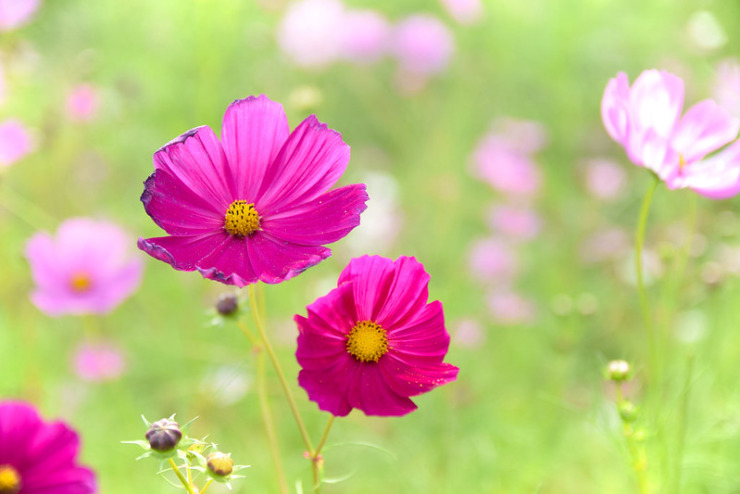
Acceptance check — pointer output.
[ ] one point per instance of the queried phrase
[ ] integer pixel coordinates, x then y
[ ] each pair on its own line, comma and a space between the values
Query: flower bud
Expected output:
628, 411
220, 464
618, 370
227, 304
164, 435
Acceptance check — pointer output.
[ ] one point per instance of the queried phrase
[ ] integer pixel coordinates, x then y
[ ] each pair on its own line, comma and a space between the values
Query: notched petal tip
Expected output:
180, 139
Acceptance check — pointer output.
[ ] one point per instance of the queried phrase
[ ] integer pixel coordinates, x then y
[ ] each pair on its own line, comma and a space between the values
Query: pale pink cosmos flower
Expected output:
468, 333
493, 261
423, 45
464, 11
16, 13
15, 142
515, 223
99, 361
86, 268
309, 33
605, 179
364, 36
507, 169
646, 120
83, 102
510, 308
525, 136
726, 89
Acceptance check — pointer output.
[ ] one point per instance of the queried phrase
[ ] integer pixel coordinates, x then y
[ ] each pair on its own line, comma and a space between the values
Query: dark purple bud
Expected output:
227, 304
164, 435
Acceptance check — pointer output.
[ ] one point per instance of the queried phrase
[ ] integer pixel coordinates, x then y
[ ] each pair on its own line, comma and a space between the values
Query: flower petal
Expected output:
407, 294
17, 422
229, 264
178, 209
183, 252
655, 102
370, 392
254, 129
330, 387
324, 220
704, 128
371, 278
275, 260
412, 380
717, 177
614, 107
424, 341
197, 159
309, 163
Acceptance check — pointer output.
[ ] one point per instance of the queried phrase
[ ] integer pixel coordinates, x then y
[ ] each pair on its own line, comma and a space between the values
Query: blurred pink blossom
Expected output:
492, 261
646, 120
605, 245
99, 361
468, 334
364, 36
87, 268
516, 223
83, 102
309, 33
726, 88
15, 142
15, 13
605, 179
422, 44
525, 136
505, 168
510, 308
464, 11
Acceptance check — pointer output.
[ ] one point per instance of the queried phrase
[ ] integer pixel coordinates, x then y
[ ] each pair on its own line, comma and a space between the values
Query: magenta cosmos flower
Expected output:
374, 341
254, 206
86, 269
646, 120
38, 457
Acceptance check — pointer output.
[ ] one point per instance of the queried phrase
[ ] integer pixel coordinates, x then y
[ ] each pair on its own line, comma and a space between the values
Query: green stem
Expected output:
681, 426
269, 423
205, 487
316, 458
639, 462
182, 478
644, 303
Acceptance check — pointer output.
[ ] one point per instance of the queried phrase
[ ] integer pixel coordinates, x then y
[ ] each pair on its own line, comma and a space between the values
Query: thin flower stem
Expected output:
639, 462
316, 458
269, 423
324, 436
205, 487
279, 371
644, 303
252, 339
180, 476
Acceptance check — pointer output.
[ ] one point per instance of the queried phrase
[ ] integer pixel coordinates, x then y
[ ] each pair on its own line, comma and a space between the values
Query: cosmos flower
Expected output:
254, 206
364, 36
422, 44
39, 457
374, 341
493, 261
464, 11
605, 179
515, 223
99, 361
82, 103
646, 120
86, 268
309, 33
15, 13
504, 165
510, 308
15, 142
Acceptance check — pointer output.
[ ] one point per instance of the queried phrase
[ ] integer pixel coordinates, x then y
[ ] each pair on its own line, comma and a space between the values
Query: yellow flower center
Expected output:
367, 341
681, 162
80, 282
10, 480
241, 219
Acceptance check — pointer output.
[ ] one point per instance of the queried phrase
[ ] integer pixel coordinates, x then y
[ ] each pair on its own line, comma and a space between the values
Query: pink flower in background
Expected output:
468, 334
516, 223
605, 245
464, 11
83, 102
422, 44
15, 13
99, 361
646, 120
374, 341
524, 136
605, 179
87, 268
364, 36
510, 308
256, 205
309, 33
38, 457
492, 261
505, 168
726, 88
15, 142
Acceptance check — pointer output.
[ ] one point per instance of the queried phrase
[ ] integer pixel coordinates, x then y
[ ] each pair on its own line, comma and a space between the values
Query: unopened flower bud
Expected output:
227, 304
164, 435
628, 411
618, 370
220, 464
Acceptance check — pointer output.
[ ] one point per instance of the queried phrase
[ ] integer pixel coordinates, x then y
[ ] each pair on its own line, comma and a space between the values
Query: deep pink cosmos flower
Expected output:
374, 341
254, 206
38, 457
15, 13
86, 269
646, 120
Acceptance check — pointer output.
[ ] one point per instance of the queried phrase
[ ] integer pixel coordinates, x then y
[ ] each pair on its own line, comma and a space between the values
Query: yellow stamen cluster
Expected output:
10, 480
80, 282
241, 219
367, 341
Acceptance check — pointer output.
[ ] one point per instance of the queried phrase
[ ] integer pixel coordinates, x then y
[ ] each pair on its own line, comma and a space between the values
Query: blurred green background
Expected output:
530, 411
